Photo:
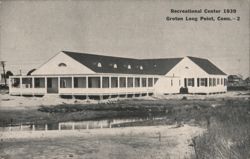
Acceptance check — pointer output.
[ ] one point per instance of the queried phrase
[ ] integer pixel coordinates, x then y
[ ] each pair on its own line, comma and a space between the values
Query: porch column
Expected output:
101, 82
140, 82
109, 81
58, 78
33, 85
21, 85
45, 84
118, 81
87, 81
126, 80
133, 82
72, 87
87, 86
21, 82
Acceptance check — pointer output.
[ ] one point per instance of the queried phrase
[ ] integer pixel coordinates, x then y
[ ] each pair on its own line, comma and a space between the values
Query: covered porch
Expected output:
101, 86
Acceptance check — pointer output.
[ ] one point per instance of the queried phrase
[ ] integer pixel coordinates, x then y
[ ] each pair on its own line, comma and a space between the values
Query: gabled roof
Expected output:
138, 66
207, 66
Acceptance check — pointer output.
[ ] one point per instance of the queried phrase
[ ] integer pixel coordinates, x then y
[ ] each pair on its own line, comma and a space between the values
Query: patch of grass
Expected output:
228, 133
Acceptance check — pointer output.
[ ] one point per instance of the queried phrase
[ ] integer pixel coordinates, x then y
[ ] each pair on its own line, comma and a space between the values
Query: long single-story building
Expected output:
81, 74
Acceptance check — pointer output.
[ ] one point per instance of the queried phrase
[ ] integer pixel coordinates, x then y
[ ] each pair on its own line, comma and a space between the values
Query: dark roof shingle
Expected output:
138, 66
207, 66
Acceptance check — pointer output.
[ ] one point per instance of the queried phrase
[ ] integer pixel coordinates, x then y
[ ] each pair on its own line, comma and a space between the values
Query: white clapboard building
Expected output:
89, 75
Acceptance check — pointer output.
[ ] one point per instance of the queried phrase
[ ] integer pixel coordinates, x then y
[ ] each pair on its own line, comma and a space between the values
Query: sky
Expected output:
31, 32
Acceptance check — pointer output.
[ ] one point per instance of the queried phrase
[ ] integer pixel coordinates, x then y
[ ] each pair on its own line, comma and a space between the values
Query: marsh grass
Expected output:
228, 133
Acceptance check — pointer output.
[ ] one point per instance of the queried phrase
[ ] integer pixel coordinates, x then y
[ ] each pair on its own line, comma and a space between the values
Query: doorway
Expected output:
52, 85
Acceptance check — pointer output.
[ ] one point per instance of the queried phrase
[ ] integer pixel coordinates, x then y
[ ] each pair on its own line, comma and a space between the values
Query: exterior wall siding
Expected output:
72, 67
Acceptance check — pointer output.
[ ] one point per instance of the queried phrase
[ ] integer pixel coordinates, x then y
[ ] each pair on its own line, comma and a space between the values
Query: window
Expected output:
99, 64
137, 82
130, 82
218, 81
210, 82
122, 82
115, 65
15, 82
214, 81
39, 82
65, 82
129, 66
62, 65
79, 82
114, 82
94, 82
203, 82
191, 82
221, 81
171, 82
150, 82
27, 82
105, 82
144, 82
198, 82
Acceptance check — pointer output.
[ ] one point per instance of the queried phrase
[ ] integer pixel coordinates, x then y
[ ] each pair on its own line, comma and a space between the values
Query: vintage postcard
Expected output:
135, 79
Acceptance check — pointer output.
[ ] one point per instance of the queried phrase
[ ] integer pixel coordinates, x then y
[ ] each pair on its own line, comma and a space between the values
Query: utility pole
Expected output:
4, 75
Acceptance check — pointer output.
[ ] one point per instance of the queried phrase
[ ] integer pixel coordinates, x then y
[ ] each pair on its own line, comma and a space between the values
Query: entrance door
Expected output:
52, 85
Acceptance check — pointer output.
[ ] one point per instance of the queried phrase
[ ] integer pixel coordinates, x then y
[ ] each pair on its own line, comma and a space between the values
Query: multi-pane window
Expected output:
79, 82
65, 82
214, 81
210, 82
39, 82
218, 81
94, 82
114, 82
190, 81
105, 82
144, 82
27, 82
203, 81
122, 82
150, 82
15, 82
137, 82
130, 82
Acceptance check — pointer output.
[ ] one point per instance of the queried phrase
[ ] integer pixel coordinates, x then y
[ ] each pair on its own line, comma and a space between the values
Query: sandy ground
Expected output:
19, 102
130, 142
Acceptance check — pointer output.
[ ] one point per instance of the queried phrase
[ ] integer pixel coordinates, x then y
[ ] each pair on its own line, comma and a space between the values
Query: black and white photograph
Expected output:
134, 79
